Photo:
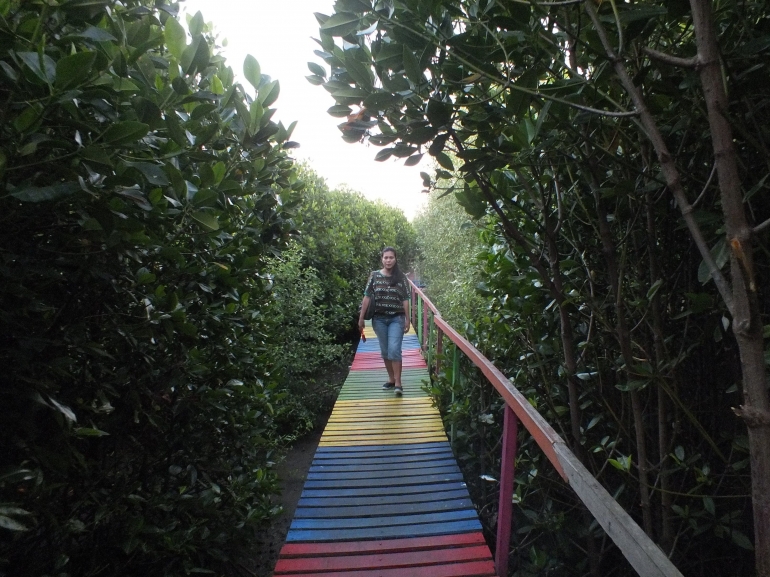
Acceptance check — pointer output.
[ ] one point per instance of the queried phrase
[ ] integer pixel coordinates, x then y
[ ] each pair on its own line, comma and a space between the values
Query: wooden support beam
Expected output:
505, 504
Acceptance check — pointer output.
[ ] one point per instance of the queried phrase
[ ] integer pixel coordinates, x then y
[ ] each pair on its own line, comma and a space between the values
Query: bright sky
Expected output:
278, 33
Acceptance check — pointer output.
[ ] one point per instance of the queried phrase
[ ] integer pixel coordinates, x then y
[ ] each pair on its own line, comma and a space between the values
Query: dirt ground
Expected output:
292, 471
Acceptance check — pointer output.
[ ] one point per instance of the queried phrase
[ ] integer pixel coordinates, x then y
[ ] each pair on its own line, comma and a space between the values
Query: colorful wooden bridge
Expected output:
384, 496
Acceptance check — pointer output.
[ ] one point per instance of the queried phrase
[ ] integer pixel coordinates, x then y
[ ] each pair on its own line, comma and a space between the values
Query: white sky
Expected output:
278, 33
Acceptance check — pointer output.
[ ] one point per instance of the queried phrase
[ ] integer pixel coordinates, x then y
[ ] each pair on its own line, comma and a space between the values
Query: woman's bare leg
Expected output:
396, 367
391, 372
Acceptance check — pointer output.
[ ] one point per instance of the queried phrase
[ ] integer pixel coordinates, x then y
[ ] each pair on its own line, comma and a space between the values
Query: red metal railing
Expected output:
640, 551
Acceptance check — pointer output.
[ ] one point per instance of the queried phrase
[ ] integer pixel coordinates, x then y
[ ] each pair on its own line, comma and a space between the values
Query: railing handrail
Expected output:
641, 552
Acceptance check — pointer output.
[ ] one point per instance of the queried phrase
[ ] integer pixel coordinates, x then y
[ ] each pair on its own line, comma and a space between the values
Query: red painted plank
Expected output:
368, 361
383, 560
472, 569
382, 545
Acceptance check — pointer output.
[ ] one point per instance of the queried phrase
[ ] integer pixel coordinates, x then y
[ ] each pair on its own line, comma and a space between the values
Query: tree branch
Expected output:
669, 59
760, 227
669, 169
706, 186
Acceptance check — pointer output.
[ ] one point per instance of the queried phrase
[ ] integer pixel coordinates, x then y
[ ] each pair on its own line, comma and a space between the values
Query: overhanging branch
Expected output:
670, 59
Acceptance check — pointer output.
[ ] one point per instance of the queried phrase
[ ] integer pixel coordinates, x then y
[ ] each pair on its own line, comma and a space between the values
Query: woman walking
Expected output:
390, 322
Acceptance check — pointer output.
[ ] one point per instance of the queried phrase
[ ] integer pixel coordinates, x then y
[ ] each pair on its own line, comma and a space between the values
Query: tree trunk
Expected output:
747, 323
624, 340
667, 531
740, 295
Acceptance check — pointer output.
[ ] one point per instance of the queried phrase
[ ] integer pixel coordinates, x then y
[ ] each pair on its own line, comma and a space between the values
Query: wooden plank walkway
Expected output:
384, 496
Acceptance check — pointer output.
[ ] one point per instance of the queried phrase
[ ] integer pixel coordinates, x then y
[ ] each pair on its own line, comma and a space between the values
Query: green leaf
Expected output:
268, 94
621, 463
208, 220
741, 539
175, 130
383, 154
720, 254
216, 85
125, 132
340, 111
136, 196
90, 432
358, 71
219, 171
471, 202
196, 56
196, 24
444, 161
72, 70
25, 121
341, 24
152, 172
176, 38
654, 288
413, 160
412, 66
18, 476
11, 524
256, 111
45, 70
45, 193
68, 413
97, 34
380, 101
439, 113
317, 69
252, 71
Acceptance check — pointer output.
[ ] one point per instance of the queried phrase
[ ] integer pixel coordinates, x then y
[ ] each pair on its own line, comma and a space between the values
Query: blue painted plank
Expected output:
380, 465
385, 521
399, 460
377, 491
372, 483
415, 449
382, 475
467, 526
374, 501
390, 509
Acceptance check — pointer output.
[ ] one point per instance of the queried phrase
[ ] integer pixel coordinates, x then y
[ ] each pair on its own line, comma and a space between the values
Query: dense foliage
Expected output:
143, 193
592, 139
449, 246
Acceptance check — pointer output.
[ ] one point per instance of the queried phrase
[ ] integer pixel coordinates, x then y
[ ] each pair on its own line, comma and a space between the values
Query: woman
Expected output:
390, 322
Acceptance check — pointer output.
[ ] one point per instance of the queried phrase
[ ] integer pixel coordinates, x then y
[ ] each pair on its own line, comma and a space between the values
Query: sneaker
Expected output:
399, 391
387, 386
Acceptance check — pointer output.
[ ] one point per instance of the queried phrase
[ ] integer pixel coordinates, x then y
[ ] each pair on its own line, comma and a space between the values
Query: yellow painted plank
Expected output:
424, 420
386, 432
387, 402
387, 440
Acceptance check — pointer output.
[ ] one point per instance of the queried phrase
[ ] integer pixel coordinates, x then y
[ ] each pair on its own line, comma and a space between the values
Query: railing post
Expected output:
428, 350
505, 507
419, 328
439, 349
424, 323
455, 377
413, 307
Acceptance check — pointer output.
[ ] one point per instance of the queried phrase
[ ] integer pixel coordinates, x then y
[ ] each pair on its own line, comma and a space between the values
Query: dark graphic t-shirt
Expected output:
388, 300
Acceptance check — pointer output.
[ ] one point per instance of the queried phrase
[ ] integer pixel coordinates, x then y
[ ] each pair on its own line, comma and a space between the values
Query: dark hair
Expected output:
396, 276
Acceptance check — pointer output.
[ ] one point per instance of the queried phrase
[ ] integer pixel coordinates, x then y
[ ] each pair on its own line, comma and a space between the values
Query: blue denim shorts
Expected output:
390, 333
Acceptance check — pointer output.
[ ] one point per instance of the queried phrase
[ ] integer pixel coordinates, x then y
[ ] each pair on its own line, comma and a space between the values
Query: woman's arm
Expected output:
364, 307
406, 317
